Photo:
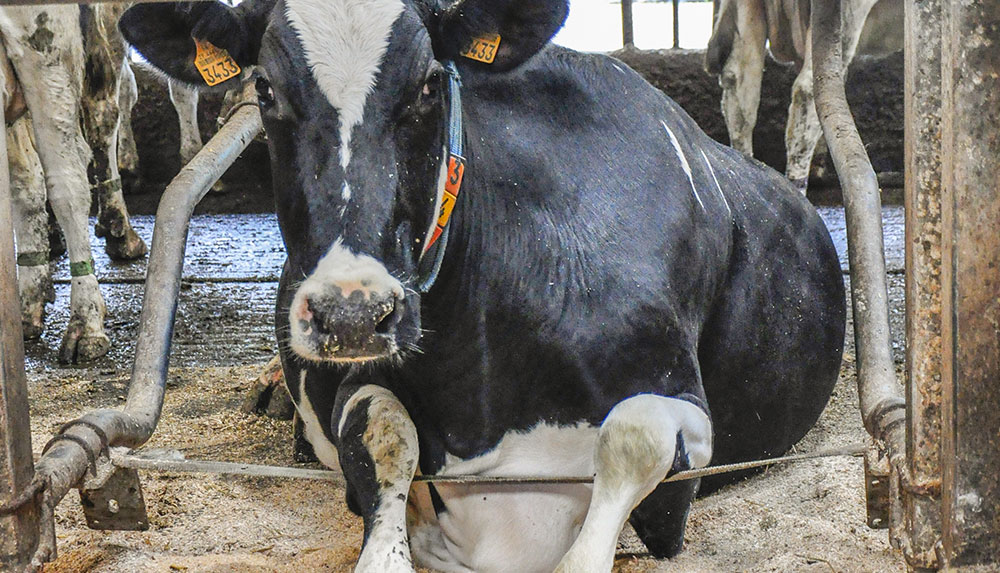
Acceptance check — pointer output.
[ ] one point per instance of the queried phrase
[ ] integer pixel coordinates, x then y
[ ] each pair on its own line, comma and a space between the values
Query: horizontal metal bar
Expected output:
4, 3
195, 466
184, 280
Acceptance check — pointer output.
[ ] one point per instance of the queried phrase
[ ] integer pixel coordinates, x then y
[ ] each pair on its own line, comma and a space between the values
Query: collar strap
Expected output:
436, 239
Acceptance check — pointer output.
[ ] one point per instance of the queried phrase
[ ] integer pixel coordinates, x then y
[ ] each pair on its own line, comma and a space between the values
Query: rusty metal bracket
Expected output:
118, 505
877, 473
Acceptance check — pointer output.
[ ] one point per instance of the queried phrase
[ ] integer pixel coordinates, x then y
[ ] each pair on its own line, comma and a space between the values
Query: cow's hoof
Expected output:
128, 247
79, 347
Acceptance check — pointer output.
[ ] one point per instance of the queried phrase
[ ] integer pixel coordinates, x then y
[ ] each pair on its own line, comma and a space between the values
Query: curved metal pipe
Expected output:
880, 394
66, 463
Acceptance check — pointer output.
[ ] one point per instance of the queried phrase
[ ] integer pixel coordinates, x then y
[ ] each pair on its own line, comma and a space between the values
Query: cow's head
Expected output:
353, 98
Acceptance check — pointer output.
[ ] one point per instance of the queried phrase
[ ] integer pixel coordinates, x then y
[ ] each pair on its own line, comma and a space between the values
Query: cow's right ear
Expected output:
164, 34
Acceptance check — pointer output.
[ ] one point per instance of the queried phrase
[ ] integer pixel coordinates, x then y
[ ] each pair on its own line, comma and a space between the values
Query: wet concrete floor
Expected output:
226, 309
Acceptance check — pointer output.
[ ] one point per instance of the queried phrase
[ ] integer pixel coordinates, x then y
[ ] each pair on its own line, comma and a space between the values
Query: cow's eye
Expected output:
265, 95
431, 90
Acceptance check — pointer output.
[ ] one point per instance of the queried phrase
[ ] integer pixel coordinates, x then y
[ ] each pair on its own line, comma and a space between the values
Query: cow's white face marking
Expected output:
508, 528
322, 446
344, 43
347, 271
684, 162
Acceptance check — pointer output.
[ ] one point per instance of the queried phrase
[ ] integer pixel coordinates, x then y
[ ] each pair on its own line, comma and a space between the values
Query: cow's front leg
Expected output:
377, 444
640, 441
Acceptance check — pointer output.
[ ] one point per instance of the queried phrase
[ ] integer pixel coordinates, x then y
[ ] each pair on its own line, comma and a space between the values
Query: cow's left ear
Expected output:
524, 27
164, 34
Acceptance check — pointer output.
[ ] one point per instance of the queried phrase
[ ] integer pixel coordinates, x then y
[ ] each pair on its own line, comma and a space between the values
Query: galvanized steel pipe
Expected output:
880, 394
66, 463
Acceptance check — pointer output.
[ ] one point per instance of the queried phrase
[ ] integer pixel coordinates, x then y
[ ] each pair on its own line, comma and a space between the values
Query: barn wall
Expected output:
874, 90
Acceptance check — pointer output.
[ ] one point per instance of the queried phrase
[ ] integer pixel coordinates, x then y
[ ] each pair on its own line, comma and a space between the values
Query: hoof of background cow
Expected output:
126, 248
78, 347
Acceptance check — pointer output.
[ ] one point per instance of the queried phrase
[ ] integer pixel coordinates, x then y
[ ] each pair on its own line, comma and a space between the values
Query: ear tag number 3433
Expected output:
483, 49
214, 64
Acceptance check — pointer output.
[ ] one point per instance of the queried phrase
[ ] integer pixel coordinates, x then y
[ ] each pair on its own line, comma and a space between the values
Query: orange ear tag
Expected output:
483, 49
214, 64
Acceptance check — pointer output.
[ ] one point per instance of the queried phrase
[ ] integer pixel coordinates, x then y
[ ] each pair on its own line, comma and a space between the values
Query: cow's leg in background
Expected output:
803, 130
377, 445
128, 95
31, 226
642, 439
45, 48
743, 70
185, 100
105, 56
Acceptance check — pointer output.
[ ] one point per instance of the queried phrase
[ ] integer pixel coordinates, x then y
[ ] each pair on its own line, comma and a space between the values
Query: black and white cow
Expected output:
620, 296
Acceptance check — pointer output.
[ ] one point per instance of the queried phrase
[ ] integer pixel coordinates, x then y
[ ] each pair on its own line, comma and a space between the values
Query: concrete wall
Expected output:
874, 91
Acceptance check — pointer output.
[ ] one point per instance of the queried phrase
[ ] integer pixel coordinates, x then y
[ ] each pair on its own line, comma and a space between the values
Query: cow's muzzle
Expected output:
348, 310
355, 328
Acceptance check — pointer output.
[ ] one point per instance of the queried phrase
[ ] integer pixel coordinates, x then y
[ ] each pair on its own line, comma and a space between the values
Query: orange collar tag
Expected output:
483, 49
214, 64
452, 185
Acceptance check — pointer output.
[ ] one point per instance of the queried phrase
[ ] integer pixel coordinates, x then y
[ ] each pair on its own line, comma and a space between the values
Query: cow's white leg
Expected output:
106, 62
46, 48
639, 442
741, 75
803, 129
375, 432
185, 100
27, 183
128, 95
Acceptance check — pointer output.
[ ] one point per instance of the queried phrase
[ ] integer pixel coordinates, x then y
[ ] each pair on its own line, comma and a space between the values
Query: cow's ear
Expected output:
524, 26
164, 34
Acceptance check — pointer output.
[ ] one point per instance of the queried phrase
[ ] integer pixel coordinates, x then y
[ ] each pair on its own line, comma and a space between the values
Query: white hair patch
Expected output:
344, 43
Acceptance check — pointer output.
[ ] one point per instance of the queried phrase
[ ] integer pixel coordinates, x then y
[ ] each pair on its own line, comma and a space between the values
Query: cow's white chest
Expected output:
508, 528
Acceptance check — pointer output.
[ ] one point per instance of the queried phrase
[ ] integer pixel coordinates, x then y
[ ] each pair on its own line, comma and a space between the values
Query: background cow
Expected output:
46, 52
746, 29
618, 294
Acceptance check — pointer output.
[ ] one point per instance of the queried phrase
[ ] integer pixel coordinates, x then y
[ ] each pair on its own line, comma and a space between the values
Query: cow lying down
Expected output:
615, 294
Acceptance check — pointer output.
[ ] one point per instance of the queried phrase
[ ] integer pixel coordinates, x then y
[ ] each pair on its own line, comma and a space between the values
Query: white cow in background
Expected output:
44, 52
745, 29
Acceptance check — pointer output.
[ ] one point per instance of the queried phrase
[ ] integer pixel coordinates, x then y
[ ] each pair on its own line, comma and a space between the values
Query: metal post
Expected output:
64, 465
677, 29
970, 334
922, 96
627, 37
879, 393
19, 532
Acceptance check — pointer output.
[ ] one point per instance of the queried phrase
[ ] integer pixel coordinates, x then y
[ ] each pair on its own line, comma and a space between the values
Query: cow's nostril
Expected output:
388, 322
315, 318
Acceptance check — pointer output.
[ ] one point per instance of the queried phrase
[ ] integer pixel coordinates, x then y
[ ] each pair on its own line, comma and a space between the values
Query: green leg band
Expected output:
106, 188
33, 259
81, 268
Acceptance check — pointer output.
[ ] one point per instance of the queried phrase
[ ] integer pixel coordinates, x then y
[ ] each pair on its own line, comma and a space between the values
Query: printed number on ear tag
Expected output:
483, 49
214, 64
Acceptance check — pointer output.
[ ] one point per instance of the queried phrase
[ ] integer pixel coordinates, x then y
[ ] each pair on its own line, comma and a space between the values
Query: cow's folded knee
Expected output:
640, 441
379, 453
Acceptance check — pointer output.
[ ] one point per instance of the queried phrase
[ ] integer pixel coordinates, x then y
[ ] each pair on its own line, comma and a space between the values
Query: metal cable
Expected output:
139, 462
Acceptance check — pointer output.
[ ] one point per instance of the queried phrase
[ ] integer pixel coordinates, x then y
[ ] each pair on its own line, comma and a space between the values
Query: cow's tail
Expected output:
720, 45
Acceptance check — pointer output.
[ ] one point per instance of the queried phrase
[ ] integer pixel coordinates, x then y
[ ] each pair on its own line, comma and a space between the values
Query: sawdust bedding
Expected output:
807, 517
